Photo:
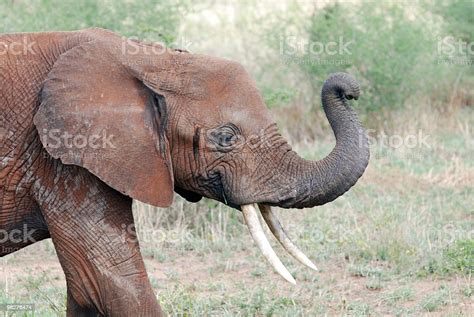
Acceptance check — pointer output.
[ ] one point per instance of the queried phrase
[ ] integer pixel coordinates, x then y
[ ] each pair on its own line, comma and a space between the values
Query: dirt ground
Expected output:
338, 287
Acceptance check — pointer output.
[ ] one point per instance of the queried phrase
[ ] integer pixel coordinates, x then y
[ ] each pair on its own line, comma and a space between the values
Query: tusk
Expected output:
256, 231
275, 226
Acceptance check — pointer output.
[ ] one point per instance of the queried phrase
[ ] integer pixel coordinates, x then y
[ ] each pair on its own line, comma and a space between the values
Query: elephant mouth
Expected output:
249, 211
256, 231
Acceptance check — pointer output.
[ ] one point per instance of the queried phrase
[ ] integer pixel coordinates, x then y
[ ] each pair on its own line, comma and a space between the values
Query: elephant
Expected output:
91, 120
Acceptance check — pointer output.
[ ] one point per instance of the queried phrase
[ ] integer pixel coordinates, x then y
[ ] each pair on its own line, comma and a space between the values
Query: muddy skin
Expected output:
90, 120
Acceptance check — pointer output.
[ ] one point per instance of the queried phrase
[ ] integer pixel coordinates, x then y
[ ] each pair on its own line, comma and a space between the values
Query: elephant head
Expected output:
193, 124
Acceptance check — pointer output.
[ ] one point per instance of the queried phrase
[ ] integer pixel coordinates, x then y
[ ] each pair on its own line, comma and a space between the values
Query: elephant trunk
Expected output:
313, 183
318, 182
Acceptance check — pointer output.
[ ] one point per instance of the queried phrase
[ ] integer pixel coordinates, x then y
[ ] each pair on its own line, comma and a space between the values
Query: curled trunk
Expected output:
315, 182
319, 182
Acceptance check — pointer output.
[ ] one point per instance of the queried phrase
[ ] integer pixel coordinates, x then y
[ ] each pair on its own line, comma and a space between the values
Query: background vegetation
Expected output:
399, 243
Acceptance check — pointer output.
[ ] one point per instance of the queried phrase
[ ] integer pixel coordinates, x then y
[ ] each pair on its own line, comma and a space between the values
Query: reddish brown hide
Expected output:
90, 120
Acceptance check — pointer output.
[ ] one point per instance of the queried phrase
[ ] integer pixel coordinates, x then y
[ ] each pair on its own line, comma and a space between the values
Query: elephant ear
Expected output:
96, 114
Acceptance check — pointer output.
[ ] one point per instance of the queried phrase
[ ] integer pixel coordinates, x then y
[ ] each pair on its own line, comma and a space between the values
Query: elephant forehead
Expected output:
244, 106
246, 109
248, 118
227, 93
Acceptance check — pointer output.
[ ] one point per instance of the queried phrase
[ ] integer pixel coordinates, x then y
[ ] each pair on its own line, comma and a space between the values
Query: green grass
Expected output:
402, 294
434, 300
38, 289
461, 255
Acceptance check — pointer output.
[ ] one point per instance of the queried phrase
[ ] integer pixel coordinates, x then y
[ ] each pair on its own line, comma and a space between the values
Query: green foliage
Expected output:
461, 255
392, 55
148, 19
456, 258
459, 16
392, 49
277, 97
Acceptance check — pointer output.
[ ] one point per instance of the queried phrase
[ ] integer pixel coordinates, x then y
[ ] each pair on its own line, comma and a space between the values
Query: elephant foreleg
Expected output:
91, 226
16, 234
76, 310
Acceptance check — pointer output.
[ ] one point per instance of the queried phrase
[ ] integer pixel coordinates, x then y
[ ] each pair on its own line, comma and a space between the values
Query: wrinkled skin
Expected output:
172, 122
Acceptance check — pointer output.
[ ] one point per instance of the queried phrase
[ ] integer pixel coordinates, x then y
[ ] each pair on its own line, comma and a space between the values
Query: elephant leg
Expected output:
92, 229
75, 310
29, 230
21, 225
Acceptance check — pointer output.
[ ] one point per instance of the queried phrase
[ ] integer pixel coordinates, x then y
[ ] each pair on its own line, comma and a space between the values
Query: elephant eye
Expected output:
225, 139
225, 136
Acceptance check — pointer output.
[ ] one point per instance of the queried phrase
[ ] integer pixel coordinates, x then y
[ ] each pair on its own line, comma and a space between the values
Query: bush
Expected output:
392, 55
148, 19
459, 16
391, 48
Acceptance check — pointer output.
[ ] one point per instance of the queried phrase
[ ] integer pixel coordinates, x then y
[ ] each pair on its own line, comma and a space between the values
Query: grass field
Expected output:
399, 243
